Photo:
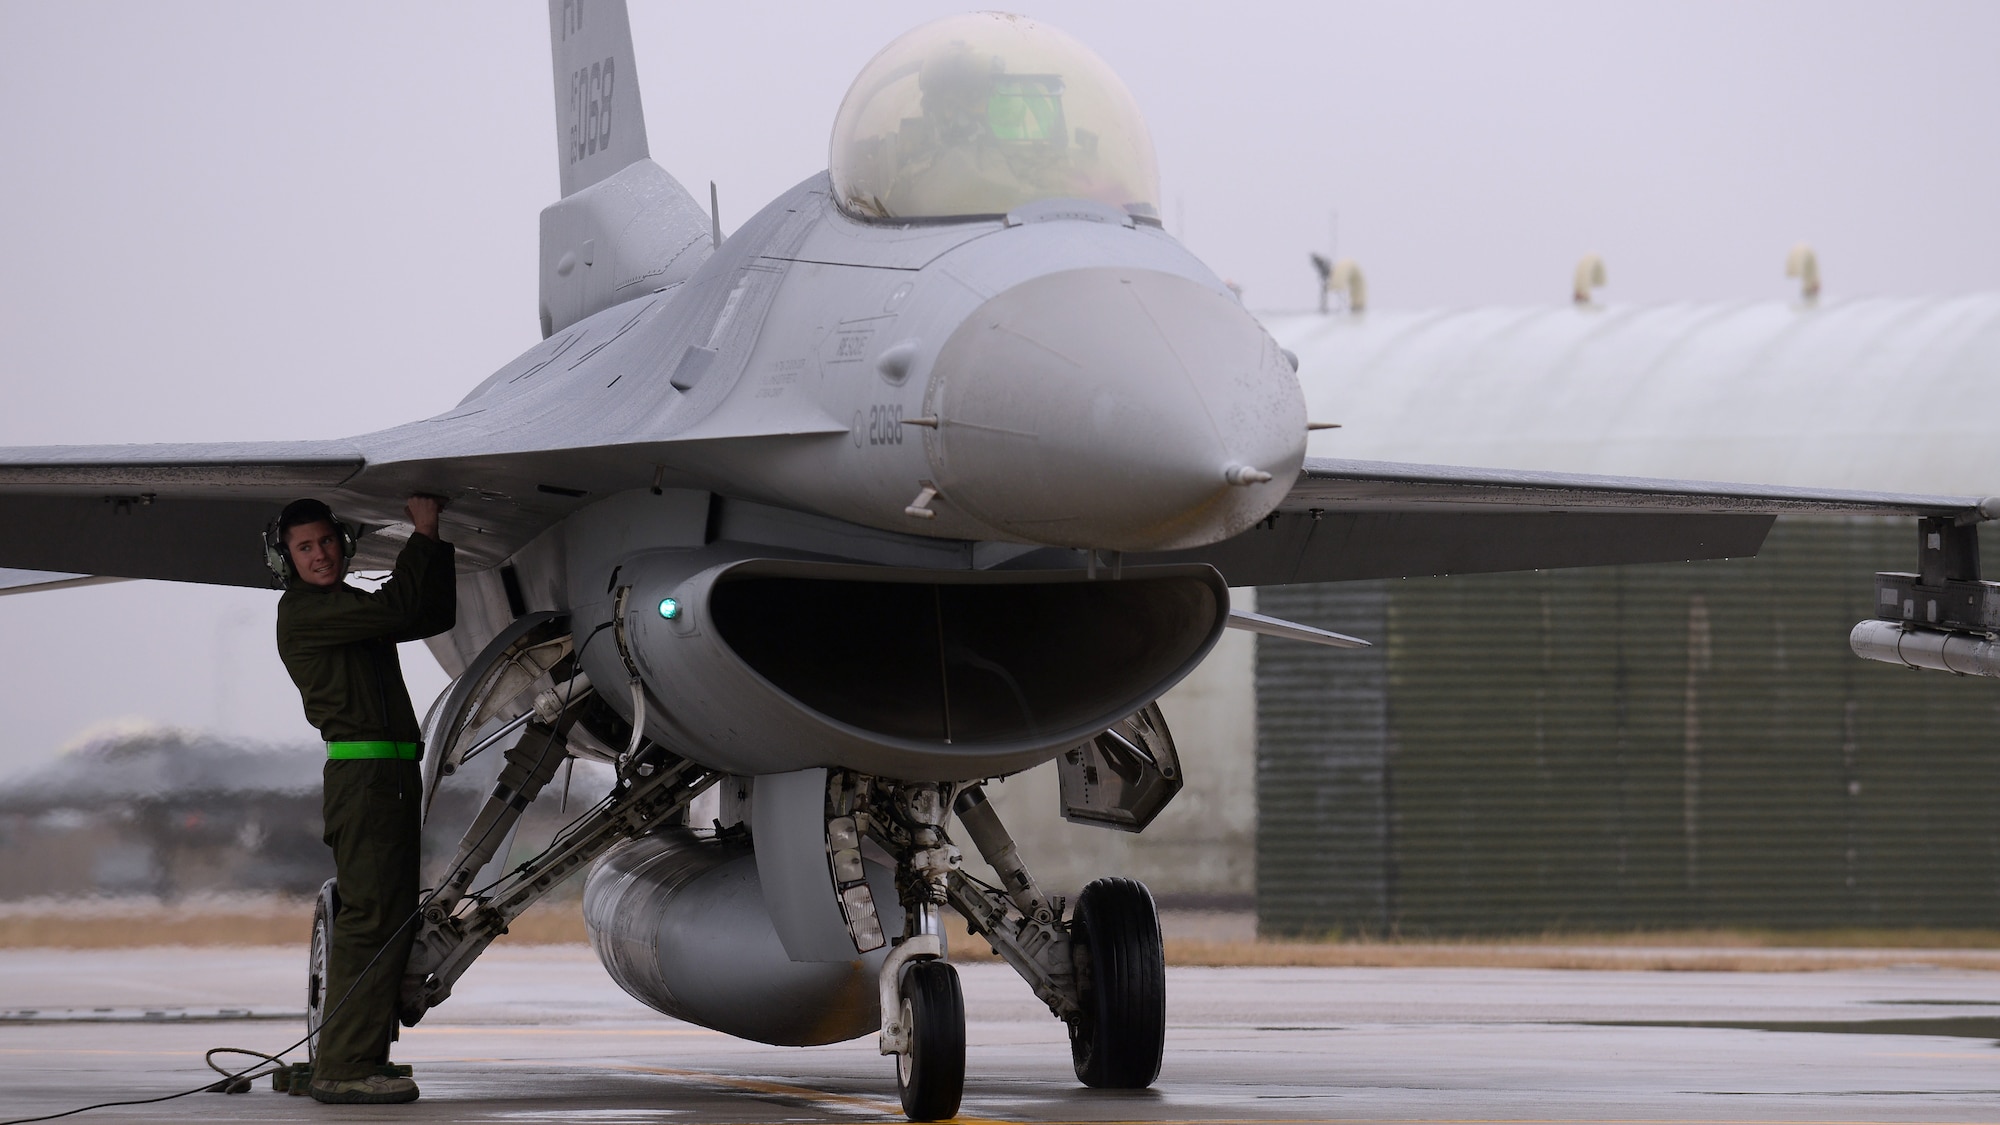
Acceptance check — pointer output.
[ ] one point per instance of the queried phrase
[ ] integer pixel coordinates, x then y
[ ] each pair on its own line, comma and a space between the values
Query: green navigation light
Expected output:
669, 608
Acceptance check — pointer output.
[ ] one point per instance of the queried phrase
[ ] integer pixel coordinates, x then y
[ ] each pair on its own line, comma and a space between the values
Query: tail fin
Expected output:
600, 127
623, 227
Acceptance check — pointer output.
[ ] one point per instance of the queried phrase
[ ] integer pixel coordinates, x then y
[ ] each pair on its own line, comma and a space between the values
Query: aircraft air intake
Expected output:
773, 664
966, 664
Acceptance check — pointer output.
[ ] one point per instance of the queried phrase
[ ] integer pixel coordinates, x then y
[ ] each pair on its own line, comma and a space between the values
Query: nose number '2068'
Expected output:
885, 425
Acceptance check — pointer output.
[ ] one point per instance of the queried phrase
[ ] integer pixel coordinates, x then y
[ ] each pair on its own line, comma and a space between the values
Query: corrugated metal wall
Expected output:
1631, 747
1322, 761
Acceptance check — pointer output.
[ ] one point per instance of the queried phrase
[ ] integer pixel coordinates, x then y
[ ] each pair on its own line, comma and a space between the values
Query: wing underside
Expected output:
1347, 520
181, 513
36, 581
193, 513
196, 513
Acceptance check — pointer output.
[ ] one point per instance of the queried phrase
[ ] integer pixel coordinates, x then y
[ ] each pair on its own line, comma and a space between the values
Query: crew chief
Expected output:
339, 644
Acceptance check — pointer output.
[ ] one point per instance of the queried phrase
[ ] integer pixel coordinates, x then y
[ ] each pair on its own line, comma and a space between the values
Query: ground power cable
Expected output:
238, 1082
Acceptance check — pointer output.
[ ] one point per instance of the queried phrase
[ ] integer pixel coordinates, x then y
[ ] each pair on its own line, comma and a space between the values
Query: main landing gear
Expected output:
318, 1003
1102, 972
1117, 1041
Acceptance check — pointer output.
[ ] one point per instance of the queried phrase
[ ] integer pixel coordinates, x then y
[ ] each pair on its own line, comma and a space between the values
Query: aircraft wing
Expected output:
188, 513
1377, 519
195, 512
192, 513
35, 581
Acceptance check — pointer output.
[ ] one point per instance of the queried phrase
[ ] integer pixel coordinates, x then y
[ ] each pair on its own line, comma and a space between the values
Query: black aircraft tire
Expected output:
324, 910
1118, 1042
931, 1077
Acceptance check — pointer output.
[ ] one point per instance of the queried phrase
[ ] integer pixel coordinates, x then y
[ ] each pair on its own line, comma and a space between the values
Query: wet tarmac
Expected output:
542, 1035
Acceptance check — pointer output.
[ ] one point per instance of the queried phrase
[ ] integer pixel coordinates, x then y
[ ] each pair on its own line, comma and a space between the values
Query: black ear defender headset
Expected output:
298, 513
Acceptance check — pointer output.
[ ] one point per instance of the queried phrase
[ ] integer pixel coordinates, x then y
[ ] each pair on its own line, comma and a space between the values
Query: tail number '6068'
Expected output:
885, 425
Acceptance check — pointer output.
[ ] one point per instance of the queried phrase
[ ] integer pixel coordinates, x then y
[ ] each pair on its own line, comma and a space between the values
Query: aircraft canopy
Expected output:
980, 113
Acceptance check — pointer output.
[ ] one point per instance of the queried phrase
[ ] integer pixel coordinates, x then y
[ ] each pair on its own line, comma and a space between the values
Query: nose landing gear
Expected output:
930, 1073
923, 1011
1102, 972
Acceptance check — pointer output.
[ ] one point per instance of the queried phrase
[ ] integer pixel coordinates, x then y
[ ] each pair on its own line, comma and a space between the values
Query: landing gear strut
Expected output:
1102, 972
923, 1011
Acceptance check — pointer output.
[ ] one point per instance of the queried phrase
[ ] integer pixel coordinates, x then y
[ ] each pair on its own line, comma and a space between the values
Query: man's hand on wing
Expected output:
423, 512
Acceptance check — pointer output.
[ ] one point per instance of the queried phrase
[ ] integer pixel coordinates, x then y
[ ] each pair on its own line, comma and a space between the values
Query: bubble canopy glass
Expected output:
980, 113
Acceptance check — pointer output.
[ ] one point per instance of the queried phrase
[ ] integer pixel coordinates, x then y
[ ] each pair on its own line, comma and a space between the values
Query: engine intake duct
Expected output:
770, 665
967, 664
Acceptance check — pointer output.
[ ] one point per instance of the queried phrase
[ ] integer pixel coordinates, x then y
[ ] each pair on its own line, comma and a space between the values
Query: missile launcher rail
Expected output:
1942, 616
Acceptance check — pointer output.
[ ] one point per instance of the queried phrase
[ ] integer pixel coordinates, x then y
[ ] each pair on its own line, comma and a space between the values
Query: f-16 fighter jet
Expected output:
939, 469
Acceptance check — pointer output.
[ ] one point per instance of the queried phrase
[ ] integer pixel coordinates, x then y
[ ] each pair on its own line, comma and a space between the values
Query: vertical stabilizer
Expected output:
624, 227
600, 127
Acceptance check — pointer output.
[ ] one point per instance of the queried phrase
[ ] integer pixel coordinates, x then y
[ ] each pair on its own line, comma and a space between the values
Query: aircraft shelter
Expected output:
1644, 747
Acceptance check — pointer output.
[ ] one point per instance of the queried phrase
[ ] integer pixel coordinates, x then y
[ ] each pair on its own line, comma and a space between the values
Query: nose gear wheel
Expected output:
930, 1076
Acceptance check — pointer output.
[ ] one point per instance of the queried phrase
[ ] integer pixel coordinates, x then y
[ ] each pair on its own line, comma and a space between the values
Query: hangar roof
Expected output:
1869, 393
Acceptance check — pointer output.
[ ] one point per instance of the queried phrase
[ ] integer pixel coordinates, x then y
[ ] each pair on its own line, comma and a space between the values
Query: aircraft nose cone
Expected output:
1120, 409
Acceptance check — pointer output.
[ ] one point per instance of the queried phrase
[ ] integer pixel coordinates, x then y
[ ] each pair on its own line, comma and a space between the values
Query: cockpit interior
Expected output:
973, 115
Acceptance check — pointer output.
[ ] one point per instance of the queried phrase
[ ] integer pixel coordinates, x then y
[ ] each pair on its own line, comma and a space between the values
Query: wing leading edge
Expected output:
1348, 520
190, 513
1327, 483
193, 513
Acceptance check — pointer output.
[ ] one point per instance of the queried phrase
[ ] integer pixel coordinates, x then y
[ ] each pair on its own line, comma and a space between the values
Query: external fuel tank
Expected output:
679, 922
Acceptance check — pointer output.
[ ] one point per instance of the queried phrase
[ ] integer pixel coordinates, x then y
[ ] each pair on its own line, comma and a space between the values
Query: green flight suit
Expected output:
339, 644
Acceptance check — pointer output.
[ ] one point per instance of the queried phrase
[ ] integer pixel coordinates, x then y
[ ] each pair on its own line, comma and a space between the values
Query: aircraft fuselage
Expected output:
930, 400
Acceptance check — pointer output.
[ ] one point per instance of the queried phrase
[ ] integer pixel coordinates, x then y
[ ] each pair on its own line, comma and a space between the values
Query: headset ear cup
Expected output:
276, 559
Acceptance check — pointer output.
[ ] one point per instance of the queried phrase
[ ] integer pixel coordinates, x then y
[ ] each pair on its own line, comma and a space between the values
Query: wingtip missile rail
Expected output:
1943, 616
1913, 646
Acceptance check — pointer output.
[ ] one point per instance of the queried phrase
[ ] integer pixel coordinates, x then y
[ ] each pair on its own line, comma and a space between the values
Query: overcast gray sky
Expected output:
252, 220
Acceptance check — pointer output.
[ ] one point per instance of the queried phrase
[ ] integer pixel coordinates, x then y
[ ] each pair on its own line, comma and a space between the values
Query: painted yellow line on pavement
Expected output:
893, 1110
765, 1086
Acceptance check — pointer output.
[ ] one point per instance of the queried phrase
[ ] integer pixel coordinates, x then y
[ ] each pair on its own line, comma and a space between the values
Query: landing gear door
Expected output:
788, 835
1122, 778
